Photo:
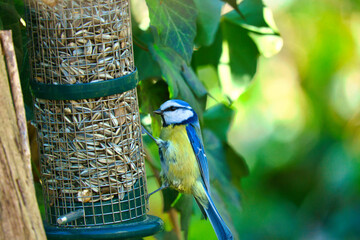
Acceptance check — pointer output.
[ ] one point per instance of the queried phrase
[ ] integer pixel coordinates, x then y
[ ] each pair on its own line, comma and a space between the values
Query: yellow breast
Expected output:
182, 168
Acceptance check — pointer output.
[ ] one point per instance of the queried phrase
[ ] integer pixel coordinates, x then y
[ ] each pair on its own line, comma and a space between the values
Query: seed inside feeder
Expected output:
91, 150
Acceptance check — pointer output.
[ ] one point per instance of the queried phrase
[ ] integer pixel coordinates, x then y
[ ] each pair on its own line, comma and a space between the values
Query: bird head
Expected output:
176, 112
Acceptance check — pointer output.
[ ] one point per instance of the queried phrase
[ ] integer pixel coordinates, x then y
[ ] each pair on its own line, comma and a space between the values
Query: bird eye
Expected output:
172, 108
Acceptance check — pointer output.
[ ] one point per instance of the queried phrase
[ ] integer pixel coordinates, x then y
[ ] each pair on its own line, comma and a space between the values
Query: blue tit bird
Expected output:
184, 164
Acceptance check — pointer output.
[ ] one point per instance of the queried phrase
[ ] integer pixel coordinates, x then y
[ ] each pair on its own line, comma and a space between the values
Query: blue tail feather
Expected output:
221, 229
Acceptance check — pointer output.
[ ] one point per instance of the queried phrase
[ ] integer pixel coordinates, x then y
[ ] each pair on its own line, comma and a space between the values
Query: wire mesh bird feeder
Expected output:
86, 112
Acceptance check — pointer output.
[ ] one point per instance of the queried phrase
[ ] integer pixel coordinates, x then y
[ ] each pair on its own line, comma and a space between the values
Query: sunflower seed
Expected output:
88, 147
84, 196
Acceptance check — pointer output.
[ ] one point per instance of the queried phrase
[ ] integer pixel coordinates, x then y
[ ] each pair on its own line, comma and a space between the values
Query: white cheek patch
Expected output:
185, 114
178, 116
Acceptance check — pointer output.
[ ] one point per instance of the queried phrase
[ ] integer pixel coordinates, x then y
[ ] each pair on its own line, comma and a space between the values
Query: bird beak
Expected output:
158, 112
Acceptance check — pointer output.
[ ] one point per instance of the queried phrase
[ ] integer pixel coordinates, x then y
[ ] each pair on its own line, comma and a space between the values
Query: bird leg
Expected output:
163, 186
147, 132
158, 141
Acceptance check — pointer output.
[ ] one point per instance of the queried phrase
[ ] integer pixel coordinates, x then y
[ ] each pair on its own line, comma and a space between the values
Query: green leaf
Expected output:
268, 44
218, 118
233, 3
219, 171
209, 55
170, 195
146, 65
237, 164
243, 52
19, 5
209, 14
8, 14
172, 68
153, 93
253, 11
175, 21
40, 198
192, 80
209, 77
260, 24
184, 207
246, 39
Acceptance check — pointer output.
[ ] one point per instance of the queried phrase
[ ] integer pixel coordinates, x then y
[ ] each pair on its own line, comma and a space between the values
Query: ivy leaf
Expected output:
8, 14
170, 195
209, 55
237, 164
208, 20
253, 11
246, 40
184, 207
235, 7
243, 53
193, 81
260, 24
153, 93
183, 204
218, 118
172, 67
175, 21
146, 65
209, 77
219, 171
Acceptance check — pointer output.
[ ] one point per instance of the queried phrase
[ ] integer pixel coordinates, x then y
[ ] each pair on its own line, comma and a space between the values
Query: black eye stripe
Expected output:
171, 108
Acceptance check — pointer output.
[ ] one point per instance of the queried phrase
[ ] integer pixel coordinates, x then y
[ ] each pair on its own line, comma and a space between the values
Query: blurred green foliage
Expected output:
298, 127
294, 117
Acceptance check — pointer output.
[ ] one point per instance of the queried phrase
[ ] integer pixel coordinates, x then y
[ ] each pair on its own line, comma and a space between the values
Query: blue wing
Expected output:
194, 135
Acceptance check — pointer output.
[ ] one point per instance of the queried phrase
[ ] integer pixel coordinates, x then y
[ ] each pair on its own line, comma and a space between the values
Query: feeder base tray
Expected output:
135, 230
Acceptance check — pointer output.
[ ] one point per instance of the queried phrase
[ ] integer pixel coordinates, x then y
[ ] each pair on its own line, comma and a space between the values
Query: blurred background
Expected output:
298, 127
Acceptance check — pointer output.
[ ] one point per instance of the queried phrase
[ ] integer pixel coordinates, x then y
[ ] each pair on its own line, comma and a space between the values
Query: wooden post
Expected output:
19, 212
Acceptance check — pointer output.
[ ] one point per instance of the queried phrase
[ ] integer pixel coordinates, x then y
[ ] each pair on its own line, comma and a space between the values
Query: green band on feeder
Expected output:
84, 90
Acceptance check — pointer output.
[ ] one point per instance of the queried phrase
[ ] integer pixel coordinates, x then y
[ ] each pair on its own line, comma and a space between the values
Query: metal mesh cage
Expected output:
91, 149
80, 41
